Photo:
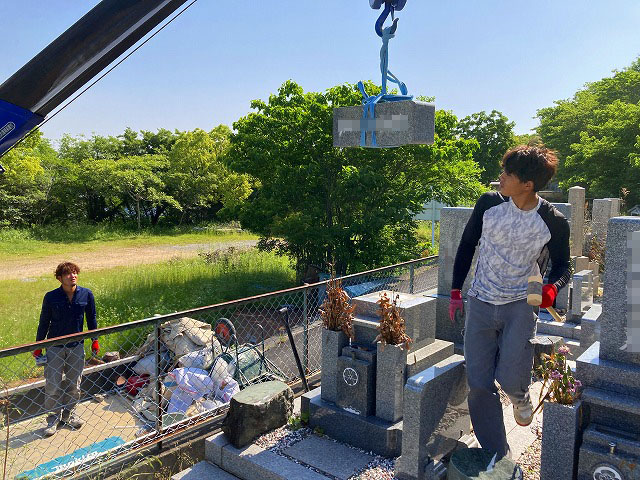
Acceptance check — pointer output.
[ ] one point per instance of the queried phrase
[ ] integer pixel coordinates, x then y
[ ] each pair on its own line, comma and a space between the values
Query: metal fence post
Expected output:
158, 389
411, 273
305, 332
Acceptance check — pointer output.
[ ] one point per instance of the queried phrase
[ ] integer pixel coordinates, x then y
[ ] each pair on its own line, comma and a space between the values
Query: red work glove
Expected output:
455, 304
549, 292
95, 347
37, 353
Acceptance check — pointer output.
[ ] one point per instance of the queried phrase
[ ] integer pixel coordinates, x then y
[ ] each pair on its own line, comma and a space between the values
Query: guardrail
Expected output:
168, 373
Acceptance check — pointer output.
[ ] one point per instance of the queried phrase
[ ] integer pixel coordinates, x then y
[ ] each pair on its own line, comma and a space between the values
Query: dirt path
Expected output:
114, 257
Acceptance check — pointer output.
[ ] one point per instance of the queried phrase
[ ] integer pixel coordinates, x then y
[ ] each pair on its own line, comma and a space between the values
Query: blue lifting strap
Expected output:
368, 122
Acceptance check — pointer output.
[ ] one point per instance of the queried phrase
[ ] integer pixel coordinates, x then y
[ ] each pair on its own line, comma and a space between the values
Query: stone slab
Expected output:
453, 220
204, 470
407, 122
337, 459
332, 345
614, 323
590, 326
417, 311
365, 329
253, 462
576, 199
391, 368
611, 409
560, 440
356, 390
369, 433
445, 330
435, 415
544, 343
610, 375
428, 355
560, 329
595, 454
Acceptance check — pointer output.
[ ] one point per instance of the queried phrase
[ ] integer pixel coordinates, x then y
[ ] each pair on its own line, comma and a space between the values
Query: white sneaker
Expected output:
52, 425
72, 421
523, 414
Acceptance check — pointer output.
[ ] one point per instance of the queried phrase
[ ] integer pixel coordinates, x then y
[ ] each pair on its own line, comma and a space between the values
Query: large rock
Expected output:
257, 409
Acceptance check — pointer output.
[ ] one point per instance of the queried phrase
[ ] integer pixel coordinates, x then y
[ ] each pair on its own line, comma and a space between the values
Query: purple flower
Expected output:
556, 375
578, 384
564, 350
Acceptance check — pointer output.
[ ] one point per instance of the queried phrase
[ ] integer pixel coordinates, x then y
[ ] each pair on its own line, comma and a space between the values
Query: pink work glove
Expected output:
549, 292
455, 304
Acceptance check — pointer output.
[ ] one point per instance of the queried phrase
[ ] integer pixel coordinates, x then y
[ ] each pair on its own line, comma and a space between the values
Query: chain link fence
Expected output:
165, 374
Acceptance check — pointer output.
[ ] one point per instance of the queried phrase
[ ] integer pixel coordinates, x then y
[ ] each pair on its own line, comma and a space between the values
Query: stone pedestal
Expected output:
407, 122
332, 345
577, 199
560, 432
390, 369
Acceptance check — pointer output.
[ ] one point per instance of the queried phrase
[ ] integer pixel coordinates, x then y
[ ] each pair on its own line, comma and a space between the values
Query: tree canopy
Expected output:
494, 134
597, 136
350, 207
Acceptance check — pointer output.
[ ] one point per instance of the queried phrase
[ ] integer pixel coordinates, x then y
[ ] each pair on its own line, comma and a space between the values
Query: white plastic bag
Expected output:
202, 359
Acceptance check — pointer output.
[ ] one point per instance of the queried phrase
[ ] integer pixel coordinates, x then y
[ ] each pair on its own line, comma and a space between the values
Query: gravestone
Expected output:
453, 220
577, 199
582, 294
603, 209
408, 122
610, 369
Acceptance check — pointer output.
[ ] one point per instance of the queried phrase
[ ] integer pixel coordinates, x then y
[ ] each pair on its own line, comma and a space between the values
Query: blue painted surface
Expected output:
66, 461
15, 123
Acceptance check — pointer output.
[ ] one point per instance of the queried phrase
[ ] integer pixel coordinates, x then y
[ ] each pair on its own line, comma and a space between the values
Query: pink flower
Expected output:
556, 375
578, 384
564, 350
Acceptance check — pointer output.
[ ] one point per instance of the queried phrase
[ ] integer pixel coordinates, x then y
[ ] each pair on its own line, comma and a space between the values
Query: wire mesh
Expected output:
162, 375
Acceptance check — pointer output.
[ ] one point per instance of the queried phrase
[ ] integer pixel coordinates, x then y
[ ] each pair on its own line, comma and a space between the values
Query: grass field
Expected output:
41, 242
424, 236
125, 294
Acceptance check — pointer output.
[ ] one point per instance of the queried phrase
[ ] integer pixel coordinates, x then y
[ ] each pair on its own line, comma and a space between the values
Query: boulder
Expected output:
256, 410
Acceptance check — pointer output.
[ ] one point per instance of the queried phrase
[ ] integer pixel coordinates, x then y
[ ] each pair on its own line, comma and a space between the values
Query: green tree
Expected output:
351, 207
494, 134
25, 185
597, 135
198, 177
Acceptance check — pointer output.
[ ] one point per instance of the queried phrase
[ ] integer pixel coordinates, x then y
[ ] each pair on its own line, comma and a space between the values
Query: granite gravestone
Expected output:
577, 199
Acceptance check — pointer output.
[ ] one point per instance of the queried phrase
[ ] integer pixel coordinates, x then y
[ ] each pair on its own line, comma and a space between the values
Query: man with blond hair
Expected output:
63, 313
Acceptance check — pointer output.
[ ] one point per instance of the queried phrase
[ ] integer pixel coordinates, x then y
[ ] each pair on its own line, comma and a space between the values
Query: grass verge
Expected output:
125, 294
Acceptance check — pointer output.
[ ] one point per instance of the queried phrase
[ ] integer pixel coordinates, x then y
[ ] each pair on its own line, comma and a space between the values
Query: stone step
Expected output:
560, 329
619, 377
365, 329
612, 409
428, 355
312, 457
254, 462
626, 442
204, 471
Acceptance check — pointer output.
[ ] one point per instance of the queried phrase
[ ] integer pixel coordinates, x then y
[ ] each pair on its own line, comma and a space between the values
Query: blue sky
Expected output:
205, 68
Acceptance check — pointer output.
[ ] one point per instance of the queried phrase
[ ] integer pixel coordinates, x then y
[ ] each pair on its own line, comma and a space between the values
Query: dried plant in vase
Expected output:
392, 328
336, 311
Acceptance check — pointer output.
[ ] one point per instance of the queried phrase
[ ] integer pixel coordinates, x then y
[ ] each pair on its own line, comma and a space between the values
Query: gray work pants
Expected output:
63, 394
496, 347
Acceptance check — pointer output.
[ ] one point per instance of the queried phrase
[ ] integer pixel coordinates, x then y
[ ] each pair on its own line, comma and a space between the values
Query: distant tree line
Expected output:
279, 174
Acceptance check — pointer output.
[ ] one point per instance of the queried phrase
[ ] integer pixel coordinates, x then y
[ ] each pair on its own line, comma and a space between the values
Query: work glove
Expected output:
455, 304
37, 353
549, 292
95, 347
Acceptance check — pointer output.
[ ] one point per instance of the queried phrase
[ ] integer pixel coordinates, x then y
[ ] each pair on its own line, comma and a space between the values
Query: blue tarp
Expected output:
72, 459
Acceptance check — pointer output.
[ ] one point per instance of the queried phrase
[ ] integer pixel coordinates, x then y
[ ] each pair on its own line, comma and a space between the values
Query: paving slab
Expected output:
329, 456
204, 470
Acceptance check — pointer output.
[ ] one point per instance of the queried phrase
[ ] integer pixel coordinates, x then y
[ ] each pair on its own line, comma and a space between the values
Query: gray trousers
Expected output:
63, 394
496, 347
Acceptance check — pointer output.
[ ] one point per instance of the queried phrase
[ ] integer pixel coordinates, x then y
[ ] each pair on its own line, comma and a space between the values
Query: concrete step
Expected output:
604, 374
204, 471
311, 458
612, 409
560, 329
